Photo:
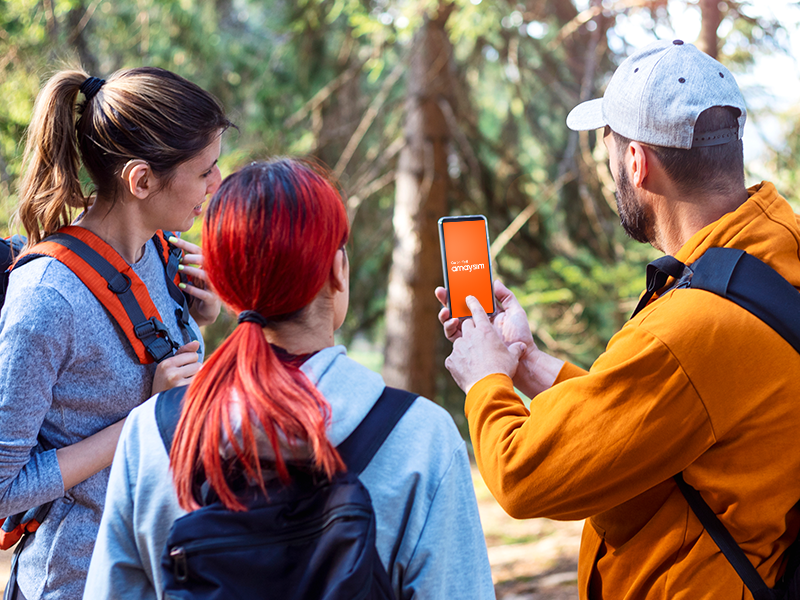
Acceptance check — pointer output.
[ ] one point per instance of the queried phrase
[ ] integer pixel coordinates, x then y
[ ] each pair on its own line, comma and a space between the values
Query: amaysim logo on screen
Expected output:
476, 267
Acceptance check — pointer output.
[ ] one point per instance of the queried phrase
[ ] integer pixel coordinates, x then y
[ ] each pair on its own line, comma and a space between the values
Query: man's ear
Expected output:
637, 163
138, 178
339, 267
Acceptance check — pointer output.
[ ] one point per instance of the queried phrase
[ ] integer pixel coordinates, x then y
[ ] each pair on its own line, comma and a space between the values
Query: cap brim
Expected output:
587, 116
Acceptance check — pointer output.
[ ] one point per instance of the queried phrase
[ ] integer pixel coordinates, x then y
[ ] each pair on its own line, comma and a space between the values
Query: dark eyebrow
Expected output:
212, 165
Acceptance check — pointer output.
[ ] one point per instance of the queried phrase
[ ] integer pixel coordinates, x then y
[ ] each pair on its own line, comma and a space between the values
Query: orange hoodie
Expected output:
693, 383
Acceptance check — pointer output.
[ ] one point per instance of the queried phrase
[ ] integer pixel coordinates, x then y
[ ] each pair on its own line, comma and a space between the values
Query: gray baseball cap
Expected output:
656, 95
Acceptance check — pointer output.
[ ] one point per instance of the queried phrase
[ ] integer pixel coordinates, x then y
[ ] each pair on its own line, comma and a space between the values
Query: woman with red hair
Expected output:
280, 390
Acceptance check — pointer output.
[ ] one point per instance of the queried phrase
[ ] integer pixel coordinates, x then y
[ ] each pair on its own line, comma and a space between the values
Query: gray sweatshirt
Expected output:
429, 535
66, 372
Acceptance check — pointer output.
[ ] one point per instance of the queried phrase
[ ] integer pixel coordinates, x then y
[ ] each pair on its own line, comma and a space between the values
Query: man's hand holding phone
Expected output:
536, 370
511, 321
480, 350
496, 342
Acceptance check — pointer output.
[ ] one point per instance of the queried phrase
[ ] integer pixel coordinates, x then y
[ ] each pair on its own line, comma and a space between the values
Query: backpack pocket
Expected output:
317, 543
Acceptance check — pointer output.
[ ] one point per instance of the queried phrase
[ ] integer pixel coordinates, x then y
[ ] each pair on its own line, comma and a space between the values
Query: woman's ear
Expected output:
138, 178
340, 271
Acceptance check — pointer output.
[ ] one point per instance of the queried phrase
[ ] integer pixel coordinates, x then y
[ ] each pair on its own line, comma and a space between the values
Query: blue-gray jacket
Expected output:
429, 535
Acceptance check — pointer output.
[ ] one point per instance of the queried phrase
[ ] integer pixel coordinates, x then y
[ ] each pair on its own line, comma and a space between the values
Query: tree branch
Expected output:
322, 95
87, 16
587, 15
368, 119
525, 215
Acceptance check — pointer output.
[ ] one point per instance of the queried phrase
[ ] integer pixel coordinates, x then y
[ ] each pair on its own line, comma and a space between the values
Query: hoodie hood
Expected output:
350, 388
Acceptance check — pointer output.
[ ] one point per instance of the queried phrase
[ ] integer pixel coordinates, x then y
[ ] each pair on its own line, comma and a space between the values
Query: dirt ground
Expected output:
534, 559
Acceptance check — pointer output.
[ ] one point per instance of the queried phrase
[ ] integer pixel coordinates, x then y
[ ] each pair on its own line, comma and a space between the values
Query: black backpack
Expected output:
9, 250
758, 288
312, 539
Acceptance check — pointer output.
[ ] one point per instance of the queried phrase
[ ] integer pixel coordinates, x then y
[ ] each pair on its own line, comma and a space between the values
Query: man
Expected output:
693, 383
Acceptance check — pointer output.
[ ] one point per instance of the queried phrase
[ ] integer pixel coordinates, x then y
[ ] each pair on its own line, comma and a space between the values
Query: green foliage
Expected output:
786, 161
748, 36
325, 78
576, 304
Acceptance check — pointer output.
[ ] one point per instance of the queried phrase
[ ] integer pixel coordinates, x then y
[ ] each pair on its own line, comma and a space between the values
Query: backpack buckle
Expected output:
150, 327
155, 337
179, 566
120, 284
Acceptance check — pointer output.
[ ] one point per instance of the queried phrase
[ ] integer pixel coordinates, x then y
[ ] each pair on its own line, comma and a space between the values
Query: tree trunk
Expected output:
411, 360
708, 41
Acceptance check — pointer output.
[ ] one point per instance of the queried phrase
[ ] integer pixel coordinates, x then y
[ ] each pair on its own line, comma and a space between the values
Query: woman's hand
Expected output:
177, 370
206, 306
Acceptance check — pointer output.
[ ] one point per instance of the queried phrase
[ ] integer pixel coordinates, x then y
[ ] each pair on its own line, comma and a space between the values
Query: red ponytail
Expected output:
270, 235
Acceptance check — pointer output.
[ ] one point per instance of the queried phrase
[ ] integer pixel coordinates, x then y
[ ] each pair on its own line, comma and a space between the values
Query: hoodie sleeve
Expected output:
594, 441
450, 559
116, 570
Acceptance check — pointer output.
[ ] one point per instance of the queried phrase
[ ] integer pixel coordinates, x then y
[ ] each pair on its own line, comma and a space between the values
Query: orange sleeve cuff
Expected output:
568, 371
488, 386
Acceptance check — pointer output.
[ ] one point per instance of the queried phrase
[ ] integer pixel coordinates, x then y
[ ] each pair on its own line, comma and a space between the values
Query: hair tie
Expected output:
91, 86
251, 316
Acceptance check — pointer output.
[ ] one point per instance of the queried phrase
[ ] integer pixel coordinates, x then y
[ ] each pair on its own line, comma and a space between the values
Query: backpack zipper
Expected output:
179, 554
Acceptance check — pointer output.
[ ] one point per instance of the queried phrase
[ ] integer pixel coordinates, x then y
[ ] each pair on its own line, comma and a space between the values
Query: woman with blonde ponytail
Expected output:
279, 391
149, 141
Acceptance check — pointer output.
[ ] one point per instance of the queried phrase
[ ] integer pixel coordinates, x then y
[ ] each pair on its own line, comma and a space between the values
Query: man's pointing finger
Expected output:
478, 314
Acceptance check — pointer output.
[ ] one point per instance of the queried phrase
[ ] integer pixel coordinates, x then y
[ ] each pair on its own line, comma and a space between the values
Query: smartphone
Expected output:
466, 264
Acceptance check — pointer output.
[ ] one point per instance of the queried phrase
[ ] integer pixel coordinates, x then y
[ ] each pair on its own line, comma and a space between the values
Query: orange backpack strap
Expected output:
13, 527
171, 256
114, 283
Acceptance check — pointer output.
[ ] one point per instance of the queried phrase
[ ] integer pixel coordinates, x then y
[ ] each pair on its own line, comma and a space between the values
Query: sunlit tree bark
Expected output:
708, 41
412, 331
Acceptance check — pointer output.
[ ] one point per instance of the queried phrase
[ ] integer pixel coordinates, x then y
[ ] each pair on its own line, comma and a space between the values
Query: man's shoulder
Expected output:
688, 314
710, 338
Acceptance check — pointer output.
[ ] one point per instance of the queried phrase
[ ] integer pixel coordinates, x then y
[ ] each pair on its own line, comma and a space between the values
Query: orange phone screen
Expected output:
467, 263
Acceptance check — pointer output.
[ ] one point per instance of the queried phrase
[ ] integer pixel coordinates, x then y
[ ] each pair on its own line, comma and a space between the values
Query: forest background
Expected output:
424, 108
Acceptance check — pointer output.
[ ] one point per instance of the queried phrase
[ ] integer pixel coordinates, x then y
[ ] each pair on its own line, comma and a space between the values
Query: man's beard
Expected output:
636, 221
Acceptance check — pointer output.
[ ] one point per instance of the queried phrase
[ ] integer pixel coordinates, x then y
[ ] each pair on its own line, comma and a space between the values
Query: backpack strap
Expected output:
171, 258
168, 413
114, 283
753, 285
9, 250
739, 277
366, 439
759, 289
356, 451
724, 540
658, 272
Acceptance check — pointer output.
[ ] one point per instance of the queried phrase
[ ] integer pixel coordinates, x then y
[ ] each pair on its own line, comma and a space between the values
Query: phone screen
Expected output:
466, 263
